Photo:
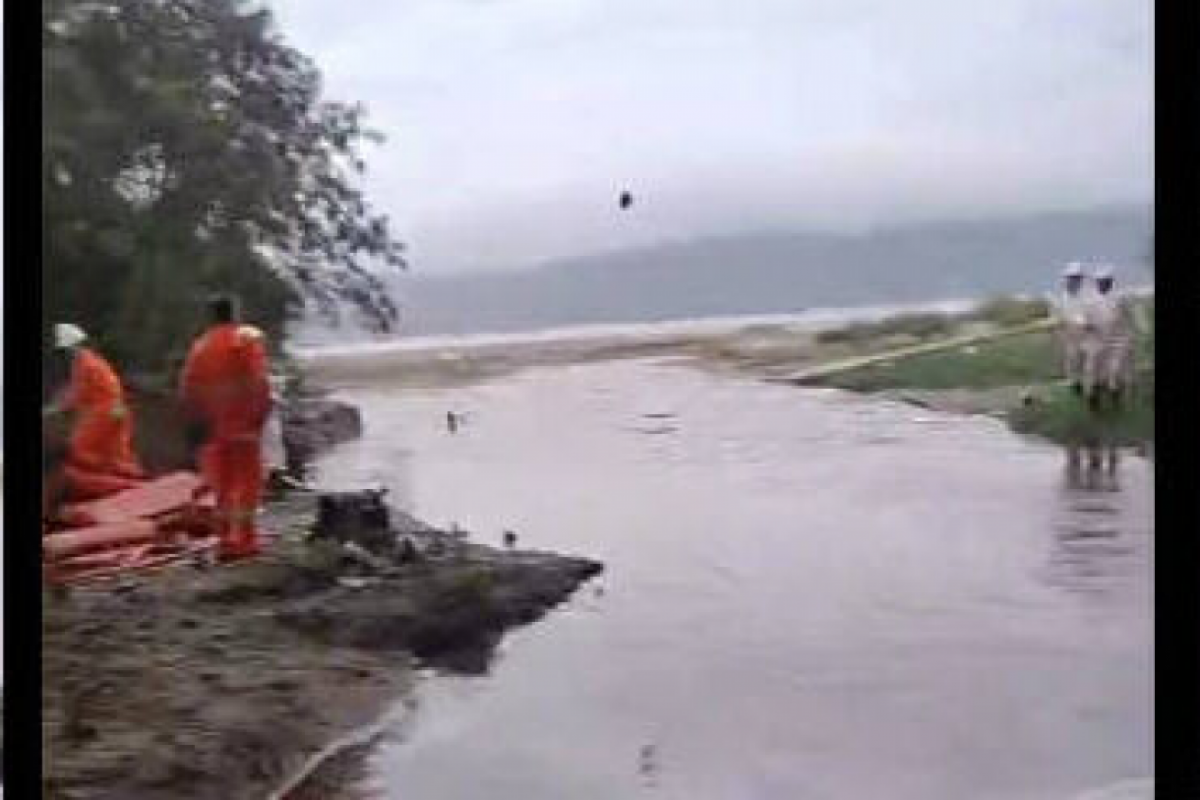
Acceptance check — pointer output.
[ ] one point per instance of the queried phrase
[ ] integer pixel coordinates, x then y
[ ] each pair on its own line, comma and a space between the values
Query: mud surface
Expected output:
223, 682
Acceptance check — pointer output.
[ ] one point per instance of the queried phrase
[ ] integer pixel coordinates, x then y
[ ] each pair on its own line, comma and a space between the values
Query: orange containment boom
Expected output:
148, 500
99, 537
111, 564
89, 486
151, 526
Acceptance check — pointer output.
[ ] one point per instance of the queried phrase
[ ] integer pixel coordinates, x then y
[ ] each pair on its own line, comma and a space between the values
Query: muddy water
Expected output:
809, 595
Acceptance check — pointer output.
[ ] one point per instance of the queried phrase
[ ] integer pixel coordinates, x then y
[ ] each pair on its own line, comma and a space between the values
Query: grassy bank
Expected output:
1017, 378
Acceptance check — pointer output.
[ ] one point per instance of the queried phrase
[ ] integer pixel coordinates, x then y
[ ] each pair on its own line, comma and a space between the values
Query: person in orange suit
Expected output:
100, 460
225, 390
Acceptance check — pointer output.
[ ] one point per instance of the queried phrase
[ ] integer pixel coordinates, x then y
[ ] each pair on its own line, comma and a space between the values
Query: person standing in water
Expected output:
1111, 320
1070, 310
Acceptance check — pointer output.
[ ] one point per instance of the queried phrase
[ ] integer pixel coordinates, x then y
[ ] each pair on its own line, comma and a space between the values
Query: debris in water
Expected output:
626, 199
648, 763
655, 431
510, 539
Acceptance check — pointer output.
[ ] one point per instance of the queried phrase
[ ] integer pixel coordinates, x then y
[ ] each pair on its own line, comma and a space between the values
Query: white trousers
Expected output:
1111, 363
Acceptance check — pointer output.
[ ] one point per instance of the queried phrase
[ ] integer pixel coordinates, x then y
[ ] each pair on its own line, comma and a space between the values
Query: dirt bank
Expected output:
229, 682
223, 682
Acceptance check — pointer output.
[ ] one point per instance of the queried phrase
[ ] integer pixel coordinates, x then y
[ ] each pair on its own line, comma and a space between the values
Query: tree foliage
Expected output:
187, 149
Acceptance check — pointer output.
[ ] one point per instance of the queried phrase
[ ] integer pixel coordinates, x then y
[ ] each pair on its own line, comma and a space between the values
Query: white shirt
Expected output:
1072, 308
1107, 313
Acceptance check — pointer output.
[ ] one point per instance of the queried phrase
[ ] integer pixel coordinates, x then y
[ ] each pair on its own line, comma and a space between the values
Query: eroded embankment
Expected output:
226, 682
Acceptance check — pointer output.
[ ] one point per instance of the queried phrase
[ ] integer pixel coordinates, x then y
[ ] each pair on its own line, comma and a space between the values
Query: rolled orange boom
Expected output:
151, 499
99, 567
90, 486
145, 528
58, 546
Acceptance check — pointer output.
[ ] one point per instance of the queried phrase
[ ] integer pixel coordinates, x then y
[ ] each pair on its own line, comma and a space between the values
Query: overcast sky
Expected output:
513, 124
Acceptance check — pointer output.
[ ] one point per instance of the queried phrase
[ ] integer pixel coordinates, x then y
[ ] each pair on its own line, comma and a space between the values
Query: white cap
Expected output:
1105, 273
1073, 270
68, 335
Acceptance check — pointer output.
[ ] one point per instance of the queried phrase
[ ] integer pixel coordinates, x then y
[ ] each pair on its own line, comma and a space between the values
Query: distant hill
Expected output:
782, 272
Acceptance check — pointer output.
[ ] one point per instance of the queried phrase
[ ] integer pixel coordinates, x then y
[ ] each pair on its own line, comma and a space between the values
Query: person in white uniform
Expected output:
1070, 310
1110, 318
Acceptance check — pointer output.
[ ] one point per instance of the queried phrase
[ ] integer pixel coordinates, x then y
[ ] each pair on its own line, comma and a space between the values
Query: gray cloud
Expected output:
512, 124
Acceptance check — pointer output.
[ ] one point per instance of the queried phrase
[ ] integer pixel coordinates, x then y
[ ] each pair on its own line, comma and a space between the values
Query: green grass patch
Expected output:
1010, 312
919, 326
1020, 360
1062, 416
1030, 359
1004, 312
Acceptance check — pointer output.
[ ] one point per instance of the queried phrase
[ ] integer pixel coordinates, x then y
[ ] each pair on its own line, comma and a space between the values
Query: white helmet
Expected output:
1073, 270
67, 335
1105, 273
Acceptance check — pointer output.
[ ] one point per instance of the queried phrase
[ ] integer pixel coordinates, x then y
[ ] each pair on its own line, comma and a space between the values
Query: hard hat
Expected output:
68, 335
1073, 270
1105, 273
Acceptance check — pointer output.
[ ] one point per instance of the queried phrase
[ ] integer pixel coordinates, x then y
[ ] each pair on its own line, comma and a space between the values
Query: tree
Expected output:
187, 149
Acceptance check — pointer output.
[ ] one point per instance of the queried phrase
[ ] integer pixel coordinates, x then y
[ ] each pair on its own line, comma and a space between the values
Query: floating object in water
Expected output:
510, 539
648, 763
626, 200
656, 431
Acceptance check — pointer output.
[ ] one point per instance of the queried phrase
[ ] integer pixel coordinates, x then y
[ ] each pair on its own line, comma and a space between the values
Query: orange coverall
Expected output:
224, 384
100, 458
